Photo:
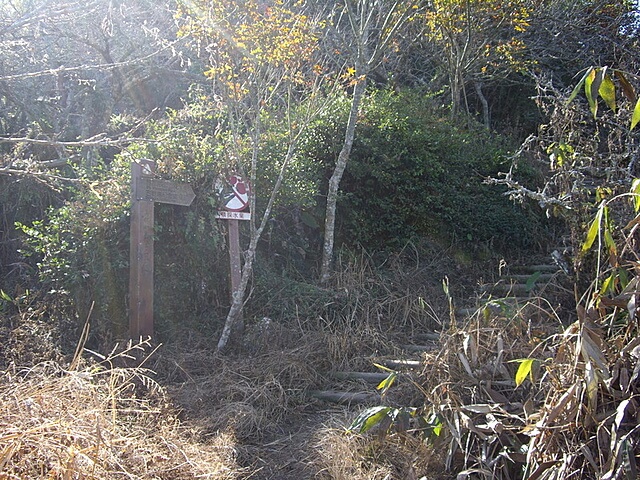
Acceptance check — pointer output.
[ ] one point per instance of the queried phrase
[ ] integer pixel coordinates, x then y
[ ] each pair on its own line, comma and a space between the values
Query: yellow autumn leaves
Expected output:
247, 41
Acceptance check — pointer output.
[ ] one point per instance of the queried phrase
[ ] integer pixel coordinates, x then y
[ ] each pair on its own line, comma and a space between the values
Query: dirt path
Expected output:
290, 454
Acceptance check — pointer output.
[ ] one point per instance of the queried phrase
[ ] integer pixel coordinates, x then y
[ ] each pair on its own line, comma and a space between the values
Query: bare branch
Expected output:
100, 66
100, 140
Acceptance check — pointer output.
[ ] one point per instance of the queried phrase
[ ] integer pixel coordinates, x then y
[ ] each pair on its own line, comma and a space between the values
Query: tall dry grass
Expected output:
97, 420
574, 414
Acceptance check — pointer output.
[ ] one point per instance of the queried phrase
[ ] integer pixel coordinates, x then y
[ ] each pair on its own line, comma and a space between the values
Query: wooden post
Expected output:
234, 255
141, 254
235, 265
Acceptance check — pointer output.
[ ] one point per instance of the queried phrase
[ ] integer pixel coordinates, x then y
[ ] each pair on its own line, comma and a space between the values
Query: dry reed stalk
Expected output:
574, 415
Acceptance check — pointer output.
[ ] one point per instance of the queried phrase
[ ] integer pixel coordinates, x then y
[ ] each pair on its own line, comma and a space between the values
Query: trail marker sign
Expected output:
235, 195
164, 191
145, 190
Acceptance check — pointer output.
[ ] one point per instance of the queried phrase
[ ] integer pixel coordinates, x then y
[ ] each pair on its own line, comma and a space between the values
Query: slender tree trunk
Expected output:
334, 182
247, 269
238, 296
485, 105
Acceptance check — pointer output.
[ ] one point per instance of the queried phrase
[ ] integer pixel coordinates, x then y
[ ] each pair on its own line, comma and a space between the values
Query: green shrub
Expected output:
412, 174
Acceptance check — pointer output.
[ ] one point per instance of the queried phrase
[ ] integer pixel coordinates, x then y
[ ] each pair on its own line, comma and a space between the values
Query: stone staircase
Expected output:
351, 388
516, 286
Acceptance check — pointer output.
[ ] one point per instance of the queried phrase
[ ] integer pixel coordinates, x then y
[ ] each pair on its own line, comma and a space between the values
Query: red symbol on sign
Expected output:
238, 199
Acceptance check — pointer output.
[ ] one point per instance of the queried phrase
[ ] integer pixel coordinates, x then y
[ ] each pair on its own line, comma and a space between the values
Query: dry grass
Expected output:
574, 415
344, 456
96, 420
250, 396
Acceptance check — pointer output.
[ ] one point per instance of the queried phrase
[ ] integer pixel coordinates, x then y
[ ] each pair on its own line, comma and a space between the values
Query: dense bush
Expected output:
412, 174
415, 174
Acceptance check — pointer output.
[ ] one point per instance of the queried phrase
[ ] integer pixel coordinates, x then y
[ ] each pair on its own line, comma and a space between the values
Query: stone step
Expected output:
427, 336
562, 248
495, 305
524, 278
400, 364
508, 289
345, 398
418, 348
545, 268
370, 377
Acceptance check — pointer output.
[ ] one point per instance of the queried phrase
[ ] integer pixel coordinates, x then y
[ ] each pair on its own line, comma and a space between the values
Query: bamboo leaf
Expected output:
627, 88
594, 229
591, 352
368, 419
607, 285
591, 86
382, 367
524, 370
607, 91
580, 84
591, 381
635, 191
531, 281
629, 460
385, 384
612, 250
436, 424
635, 118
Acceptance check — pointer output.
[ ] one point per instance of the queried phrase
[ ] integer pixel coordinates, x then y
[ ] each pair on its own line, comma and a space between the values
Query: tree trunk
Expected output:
247, 269
486, 120
238, 296
334, 182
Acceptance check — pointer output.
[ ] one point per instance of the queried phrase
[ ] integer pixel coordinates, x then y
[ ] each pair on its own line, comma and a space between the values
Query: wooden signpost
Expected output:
145, 190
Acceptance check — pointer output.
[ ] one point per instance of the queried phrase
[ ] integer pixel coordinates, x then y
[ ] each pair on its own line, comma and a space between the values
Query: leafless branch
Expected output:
101, 66
97, 141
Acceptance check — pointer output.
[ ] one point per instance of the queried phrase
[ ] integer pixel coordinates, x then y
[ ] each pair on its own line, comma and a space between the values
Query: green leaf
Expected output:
607, 91
635, 191
593, 231
609, 241
531, 281
437, 425
368, 419
577, 88
431, 426
623, 277
591, 86
608, 284
524, 370
636, 115
5, 296
385, 384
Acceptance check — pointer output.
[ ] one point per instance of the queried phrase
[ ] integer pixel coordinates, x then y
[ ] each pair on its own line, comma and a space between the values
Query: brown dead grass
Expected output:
95, 420
251, 396
345, 456
574, 416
